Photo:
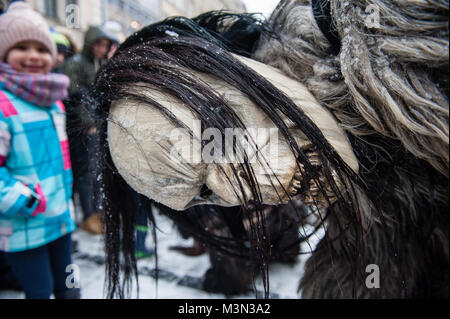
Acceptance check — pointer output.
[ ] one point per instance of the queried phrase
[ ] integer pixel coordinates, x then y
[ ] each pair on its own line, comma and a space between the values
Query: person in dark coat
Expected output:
81, 69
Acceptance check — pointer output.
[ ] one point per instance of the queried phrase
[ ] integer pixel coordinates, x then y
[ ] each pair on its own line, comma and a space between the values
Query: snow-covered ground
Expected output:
283, 278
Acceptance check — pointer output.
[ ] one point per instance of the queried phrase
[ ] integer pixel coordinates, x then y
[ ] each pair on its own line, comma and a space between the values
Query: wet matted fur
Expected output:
384, 86
388, 87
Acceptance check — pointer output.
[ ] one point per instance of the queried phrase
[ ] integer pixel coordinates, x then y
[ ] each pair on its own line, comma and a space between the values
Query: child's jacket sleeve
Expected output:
16, 198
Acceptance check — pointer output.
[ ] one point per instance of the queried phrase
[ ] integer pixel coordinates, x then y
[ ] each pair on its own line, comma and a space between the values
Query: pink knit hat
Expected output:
22, 23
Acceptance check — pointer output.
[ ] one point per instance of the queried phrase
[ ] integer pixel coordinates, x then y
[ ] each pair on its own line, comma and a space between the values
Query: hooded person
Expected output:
81, 69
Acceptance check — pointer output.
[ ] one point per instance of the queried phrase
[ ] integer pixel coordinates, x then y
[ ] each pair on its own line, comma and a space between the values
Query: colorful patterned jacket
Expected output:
35, 174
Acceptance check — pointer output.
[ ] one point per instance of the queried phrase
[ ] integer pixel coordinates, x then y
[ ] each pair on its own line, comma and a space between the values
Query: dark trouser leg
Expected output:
32, 268
85, 191
60, 252
81, 151
141, 225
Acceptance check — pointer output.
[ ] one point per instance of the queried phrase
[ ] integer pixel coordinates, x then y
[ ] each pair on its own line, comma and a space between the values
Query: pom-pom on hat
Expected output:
21, 23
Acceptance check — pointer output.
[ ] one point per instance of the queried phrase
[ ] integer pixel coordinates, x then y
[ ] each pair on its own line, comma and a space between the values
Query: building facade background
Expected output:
123, 17
191, 8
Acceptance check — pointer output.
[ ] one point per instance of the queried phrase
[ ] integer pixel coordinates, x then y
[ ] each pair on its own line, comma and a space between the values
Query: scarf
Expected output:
41, 90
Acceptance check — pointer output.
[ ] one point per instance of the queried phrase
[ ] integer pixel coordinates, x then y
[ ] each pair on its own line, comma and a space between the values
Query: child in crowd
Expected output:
65, 49
36, 219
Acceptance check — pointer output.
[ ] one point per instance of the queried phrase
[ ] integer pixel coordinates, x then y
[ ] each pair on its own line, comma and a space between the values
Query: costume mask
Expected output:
143, 151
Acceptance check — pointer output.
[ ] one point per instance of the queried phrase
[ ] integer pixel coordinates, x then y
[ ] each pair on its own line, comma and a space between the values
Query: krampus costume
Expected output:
359, 101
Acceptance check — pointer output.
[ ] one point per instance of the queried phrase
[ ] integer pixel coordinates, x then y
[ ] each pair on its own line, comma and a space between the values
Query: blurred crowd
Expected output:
47, 142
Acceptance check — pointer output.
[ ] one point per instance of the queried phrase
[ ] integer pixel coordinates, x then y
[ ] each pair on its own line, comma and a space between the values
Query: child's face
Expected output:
30, 57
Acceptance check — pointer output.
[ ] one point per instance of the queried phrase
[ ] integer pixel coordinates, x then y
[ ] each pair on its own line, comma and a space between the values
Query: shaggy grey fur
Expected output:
388, 87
